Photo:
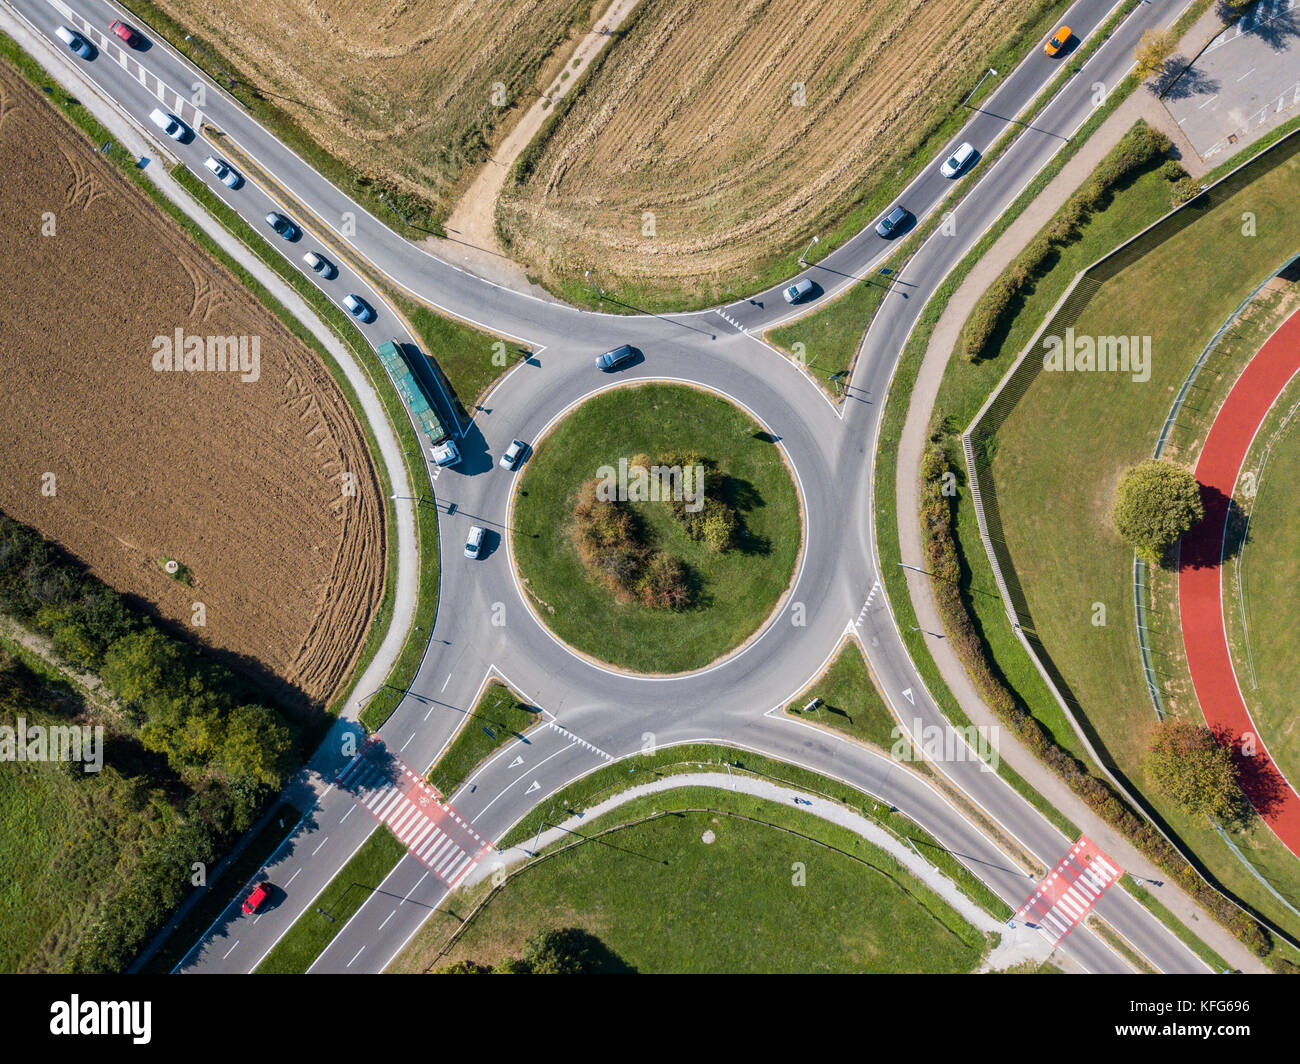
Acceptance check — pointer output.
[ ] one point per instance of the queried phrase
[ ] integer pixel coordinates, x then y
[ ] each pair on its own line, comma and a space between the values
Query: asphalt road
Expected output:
597, 714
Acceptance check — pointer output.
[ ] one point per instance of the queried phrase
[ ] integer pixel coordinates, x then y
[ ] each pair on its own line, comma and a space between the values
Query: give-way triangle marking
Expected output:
516, 761
534, 786
908, 695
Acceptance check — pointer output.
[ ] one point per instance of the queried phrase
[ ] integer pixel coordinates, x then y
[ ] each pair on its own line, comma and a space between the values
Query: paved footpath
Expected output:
1200, 577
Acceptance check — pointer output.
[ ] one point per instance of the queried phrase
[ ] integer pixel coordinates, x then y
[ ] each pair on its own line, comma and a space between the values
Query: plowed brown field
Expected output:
692, 117
242, 482
401, 91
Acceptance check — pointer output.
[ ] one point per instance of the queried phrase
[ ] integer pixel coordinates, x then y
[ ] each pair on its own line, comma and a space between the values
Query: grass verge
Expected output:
848, 700
497, 717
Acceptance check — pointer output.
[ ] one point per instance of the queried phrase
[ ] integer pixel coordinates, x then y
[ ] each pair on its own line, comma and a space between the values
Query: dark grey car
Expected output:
891, 222
611, 360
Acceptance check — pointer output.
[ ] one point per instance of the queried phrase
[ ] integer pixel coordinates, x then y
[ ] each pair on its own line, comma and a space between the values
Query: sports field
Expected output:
1057, 459
709, 892
716, 138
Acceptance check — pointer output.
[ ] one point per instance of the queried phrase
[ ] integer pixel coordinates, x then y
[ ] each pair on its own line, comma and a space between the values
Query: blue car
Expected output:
75, 41
283, 226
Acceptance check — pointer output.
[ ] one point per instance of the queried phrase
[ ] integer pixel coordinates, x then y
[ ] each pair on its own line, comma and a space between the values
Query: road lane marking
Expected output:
386, 919
230, 951
355, 956
322, 843
293, 877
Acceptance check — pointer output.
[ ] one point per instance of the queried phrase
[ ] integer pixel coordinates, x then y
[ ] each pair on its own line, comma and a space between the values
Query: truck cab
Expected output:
445, 452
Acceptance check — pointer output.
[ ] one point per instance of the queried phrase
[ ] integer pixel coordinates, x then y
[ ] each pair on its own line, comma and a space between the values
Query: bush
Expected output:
1183, 190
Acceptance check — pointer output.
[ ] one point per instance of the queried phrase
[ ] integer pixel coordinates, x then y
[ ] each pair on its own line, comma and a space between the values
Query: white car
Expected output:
797, 290
474, 544
75, 41
169, 124
513, 453
958, 160
359, 308
321, 265
226, 174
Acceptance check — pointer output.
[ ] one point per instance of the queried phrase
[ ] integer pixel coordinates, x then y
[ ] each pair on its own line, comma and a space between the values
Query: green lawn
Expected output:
350, 888
850, 702
661, 899
735, 591
830, 336
497, 717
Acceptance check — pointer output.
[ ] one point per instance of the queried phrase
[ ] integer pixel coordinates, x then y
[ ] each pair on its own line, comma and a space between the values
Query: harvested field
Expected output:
244, 483
692, 116
402, 93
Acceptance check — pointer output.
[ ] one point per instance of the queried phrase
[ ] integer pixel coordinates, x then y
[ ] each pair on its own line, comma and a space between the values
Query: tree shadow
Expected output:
1178, 80
1218, 537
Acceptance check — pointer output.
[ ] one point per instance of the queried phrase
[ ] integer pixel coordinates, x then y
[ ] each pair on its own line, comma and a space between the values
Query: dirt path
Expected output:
943, 342
472, 238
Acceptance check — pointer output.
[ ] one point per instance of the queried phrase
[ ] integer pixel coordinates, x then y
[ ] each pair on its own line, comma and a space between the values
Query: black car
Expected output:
611, 360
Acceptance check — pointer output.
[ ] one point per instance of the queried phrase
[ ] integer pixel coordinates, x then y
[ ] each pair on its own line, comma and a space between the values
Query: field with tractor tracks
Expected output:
715, 138
257, 482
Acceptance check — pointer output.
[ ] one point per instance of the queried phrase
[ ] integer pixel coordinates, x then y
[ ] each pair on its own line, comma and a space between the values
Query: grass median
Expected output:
497, 717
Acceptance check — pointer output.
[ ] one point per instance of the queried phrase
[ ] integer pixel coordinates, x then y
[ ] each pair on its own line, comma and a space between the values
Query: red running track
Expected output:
1200, 585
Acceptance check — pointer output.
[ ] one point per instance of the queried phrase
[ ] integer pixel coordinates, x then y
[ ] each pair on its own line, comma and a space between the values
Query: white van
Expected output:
168, 123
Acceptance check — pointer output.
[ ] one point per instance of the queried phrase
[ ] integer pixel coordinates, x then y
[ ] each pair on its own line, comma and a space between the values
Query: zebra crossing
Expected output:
1068, 893
430, 829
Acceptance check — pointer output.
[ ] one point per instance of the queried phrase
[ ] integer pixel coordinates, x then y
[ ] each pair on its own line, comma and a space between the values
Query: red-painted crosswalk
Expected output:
431, 829
1069, 892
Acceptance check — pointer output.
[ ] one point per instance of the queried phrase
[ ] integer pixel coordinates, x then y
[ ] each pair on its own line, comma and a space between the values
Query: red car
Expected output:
122, 30
257, 898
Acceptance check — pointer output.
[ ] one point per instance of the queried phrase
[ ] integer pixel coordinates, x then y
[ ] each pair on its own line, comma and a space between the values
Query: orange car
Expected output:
1058, 41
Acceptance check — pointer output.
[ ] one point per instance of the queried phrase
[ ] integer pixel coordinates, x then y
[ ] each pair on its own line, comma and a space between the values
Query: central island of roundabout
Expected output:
655, 528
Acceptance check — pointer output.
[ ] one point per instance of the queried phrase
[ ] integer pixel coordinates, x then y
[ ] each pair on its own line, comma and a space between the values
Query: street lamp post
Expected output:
976, 89
594, 287
804, 257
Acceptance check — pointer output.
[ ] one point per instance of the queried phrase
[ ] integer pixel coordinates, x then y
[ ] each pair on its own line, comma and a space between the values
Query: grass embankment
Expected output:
1055, 506
497, 717
731, 592
781, 892
350, 888
671, 761
848, 700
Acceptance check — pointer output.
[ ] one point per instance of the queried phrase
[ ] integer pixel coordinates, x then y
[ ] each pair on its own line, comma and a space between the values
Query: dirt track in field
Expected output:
693, 117
402, 91
243, 482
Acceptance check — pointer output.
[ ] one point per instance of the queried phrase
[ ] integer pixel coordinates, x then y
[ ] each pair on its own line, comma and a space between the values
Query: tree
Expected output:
463, 968
1153, 49
255, 746
1156, 503
1187, 763
140, 664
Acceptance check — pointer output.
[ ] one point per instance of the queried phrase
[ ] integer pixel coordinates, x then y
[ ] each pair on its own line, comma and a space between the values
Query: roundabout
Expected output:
655, 482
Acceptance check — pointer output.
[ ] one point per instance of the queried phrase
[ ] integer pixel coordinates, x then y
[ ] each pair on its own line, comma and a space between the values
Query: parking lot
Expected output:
1244, 84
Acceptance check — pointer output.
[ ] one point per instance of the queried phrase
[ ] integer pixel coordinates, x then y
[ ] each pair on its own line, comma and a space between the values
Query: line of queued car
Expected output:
175, 128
